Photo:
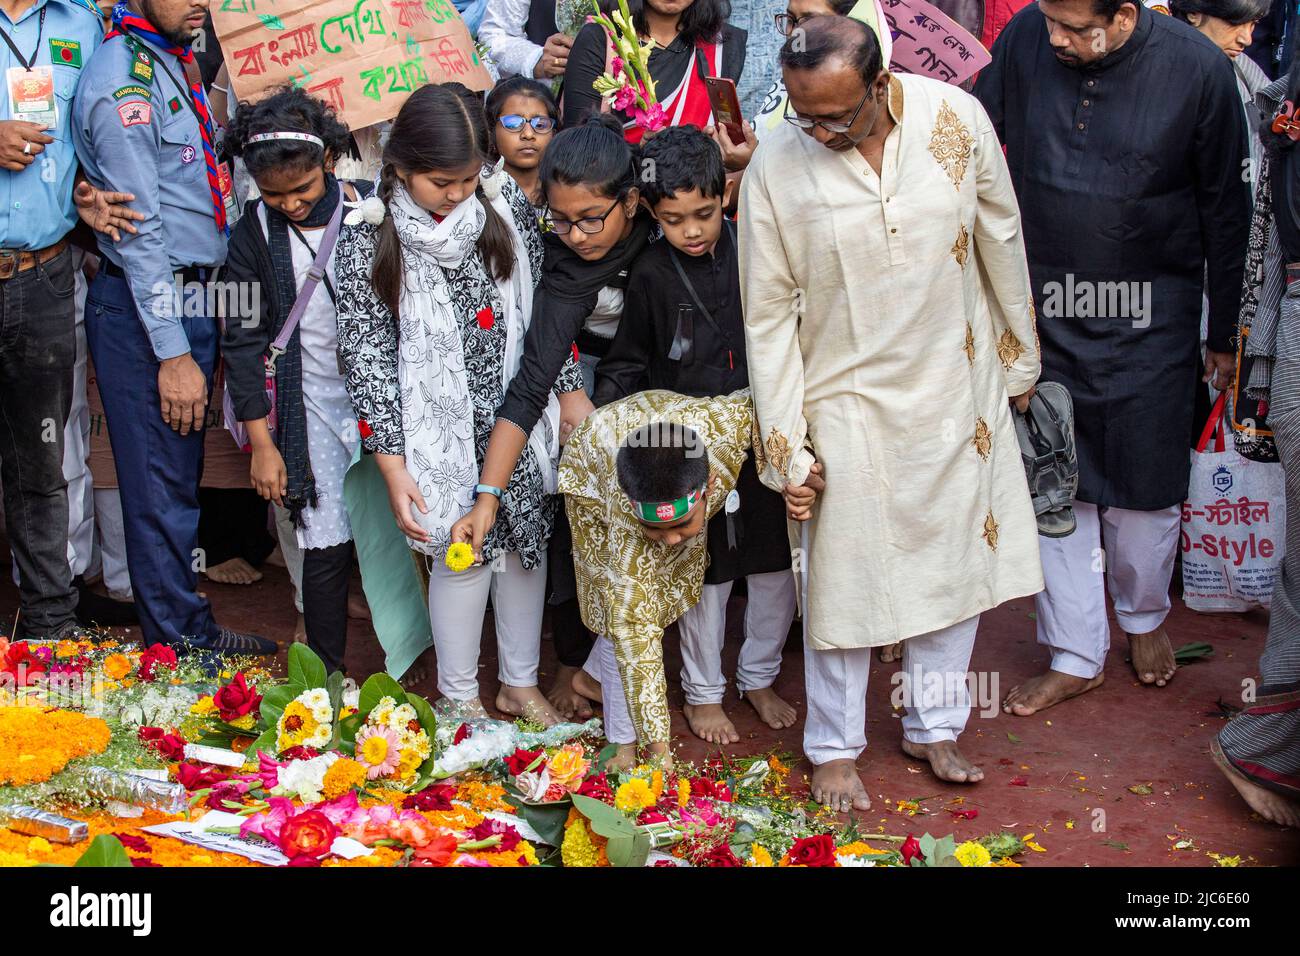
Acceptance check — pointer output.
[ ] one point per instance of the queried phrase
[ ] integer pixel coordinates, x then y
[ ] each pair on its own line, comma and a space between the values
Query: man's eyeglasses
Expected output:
785, 23
591, 225
514, 122
804, 123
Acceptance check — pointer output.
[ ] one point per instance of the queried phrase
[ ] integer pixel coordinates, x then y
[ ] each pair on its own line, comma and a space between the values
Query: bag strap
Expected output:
1214, 425
314, 276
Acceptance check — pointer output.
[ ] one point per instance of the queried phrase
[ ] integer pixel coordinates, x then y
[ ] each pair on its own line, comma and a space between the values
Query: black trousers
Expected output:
38, 350
572, 639
325, 576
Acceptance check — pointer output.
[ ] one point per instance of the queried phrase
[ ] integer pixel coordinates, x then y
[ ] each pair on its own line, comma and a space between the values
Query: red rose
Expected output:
651, 816
521, 760
911, 850
310, 833
19, 661
300, 753
489, 828
437, 797
597, 788
813, 851
171, 747
197, 778
462, 732
719, 855
154, 656
150, 734
236, 699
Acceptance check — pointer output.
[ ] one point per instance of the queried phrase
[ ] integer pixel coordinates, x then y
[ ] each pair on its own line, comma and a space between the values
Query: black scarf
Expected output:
290, 412
568, 278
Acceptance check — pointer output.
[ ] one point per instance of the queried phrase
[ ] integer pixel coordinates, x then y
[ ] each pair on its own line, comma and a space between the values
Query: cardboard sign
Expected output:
363, 58
930, 43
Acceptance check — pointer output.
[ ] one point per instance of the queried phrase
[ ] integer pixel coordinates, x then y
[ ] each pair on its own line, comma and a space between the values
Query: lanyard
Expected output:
708, 316
28, 62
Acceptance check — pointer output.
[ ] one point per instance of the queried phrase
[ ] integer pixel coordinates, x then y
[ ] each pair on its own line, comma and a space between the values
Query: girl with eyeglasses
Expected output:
523, 117
435, 299
596, 230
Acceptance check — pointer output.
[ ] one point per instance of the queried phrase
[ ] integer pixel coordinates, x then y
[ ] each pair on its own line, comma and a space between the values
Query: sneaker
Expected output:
1045, 432
233, 642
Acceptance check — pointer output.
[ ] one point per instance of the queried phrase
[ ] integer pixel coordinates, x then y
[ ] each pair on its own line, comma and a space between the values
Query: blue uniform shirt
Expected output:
36, 204
135, 132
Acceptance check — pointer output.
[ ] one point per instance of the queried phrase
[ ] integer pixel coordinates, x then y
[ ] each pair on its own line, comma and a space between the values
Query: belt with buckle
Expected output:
187, 273
14, 261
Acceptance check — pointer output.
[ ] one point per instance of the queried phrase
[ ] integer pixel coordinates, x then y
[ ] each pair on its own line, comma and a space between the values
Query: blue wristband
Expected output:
487, 490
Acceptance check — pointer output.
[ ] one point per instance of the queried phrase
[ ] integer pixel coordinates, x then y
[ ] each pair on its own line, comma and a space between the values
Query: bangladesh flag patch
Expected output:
174, 105
65, 52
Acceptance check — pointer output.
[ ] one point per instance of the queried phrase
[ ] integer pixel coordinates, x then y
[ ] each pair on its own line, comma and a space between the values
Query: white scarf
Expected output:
437, 410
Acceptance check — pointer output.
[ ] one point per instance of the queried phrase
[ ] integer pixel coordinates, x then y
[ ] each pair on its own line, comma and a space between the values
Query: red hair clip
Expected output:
1286, 122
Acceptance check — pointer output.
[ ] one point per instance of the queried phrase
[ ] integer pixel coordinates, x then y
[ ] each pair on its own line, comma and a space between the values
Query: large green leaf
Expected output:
264, 744
375, 689
334, 685
104, 850
546, 819
305, 667
429, 721
347, 731
627, 844
275, 700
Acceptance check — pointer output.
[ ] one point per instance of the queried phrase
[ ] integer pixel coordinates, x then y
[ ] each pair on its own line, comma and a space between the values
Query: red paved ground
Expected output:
1076, 759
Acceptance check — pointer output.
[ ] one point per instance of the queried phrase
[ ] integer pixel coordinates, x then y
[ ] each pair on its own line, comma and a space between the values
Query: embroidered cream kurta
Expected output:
630, 588
887, 318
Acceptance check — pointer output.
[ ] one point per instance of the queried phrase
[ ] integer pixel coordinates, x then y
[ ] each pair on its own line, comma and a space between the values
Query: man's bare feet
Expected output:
624, 759
527, 702
568, 703
836, 784
947, 762
1039, 693
300, 631
1273, 807
234, 571
1153, 657
891, 652
587, 686
710, 722
418, 672
358, 609
772, 710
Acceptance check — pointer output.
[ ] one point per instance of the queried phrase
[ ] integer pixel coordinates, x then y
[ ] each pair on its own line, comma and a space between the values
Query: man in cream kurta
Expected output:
888, 319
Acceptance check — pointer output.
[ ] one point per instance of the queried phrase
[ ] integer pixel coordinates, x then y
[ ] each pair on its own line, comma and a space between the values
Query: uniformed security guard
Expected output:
141, 125
45, 45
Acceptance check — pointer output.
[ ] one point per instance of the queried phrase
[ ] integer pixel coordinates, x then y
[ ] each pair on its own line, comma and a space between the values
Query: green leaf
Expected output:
276, 699
547, 820
628, 844
263, 744
104, 850
605, 756
334, 686
1191, 653
429, 721
1141, 789
377, 687
1114, 844
347, 730
1012, 737
305, 667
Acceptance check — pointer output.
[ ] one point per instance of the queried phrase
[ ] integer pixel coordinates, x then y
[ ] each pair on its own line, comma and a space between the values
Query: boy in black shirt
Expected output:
683, 330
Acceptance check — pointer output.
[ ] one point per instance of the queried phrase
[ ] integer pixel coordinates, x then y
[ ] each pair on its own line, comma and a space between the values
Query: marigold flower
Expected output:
343, 775
971, 853
460, 557
633, 796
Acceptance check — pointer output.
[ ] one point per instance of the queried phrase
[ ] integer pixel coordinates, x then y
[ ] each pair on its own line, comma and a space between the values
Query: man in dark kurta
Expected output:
1127, 147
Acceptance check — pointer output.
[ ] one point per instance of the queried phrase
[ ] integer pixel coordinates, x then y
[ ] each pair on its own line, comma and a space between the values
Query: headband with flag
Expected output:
126, 22
663, 512
285, 134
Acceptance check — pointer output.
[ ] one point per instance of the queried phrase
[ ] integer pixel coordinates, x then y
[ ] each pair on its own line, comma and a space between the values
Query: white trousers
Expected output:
112, 543
287, 535
1132, 553
603, 666
768, 613
457, 603
836, 685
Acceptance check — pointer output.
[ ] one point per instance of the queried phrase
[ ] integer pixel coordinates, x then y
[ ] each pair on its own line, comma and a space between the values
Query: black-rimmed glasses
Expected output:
804, 123
591, 225
785, 23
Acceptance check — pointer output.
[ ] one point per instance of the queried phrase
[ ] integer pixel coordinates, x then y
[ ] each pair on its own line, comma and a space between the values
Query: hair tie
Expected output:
285, 134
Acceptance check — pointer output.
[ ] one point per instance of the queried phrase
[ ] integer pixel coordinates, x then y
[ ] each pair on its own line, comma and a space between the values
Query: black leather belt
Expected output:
187, 273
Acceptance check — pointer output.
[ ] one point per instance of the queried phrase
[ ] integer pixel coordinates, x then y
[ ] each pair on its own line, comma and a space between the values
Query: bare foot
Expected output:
1153, 657
234, 571
1273, 807
624, 759
586, 685
710, 722
891, 652
945, 760
1039, 693
567, 702
276, 558
836, 784
772, 710
358, 609
527, 702
300, 631
418, 672
659, 755
459, 710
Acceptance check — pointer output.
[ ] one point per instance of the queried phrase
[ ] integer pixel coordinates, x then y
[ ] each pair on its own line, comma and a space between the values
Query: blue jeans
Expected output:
158, 469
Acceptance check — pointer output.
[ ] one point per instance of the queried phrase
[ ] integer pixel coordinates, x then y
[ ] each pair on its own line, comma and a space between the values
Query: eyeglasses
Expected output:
591, 225
514, 122
786, 23
804, 123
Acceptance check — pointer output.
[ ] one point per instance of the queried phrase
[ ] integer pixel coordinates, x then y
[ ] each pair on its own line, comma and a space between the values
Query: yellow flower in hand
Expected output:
460, 557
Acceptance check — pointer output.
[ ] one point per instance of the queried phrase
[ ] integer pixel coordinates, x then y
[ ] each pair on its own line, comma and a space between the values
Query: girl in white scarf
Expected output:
435, 298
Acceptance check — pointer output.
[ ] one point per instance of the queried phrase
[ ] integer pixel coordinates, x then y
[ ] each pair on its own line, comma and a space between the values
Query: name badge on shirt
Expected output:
31, 95
733, 502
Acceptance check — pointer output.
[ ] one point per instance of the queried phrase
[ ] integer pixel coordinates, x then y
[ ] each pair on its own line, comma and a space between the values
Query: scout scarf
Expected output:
437, 409
127, 22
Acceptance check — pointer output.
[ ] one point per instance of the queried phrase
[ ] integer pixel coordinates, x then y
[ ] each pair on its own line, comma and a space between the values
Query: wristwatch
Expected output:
487, 490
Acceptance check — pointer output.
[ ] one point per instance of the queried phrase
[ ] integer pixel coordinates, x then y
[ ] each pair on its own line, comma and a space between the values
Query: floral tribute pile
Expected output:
312, 770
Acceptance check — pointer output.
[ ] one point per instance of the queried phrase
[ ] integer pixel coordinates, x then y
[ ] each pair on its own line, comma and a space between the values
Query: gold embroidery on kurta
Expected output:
990, 534
969, 347
951, 144
1009, 349
961, 248
983, 440
778, 451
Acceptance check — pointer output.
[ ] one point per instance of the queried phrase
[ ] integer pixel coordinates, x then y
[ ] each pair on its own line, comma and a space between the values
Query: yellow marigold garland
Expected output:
36, 744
